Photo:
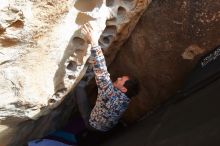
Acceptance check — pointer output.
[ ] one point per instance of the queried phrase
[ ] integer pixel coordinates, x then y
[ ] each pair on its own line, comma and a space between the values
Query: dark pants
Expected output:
83, 104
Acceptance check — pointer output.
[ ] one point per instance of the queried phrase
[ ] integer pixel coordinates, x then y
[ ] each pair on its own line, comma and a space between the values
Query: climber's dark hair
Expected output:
132, 85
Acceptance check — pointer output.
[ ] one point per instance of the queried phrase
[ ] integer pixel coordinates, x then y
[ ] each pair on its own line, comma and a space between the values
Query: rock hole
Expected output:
79, 43
51, 101
106, 40
71, 66
71, 77
121, 11
110, 30
17, 24
83, 18
87, 5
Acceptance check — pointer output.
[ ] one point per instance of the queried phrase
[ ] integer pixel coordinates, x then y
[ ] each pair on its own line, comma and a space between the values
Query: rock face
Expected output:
164, 46
43, 55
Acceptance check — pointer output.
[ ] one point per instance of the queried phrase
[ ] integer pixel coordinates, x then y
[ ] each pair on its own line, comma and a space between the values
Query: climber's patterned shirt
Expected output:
111, 102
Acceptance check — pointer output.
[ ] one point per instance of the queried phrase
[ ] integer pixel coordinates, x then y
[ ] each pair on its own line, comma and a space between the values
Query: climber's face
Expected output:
119, 83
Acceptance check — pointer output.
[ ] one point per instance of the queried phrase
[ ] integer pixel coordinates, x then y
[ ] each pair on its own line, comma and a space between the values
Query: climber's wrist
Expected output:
94, 44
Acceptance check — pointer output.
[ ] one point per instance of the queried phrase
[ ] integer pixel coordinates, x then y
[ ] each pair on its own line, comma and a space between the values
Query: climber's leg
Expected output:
83, 102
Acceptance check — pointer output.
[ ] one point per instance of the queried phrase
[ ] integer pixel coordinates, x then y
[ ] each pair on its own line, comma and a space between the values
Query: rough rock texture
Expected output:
43, 55
20, 132
164, 46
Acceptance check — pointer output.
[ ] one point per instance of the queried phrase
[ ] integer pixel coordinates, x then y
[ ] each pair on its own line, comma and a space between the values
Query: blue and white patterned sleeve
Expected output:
102, 75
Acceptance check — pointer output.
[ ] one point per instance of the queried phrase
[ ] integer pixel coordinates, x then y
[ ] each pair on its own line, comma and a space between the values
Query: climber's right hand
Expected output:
91, 34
